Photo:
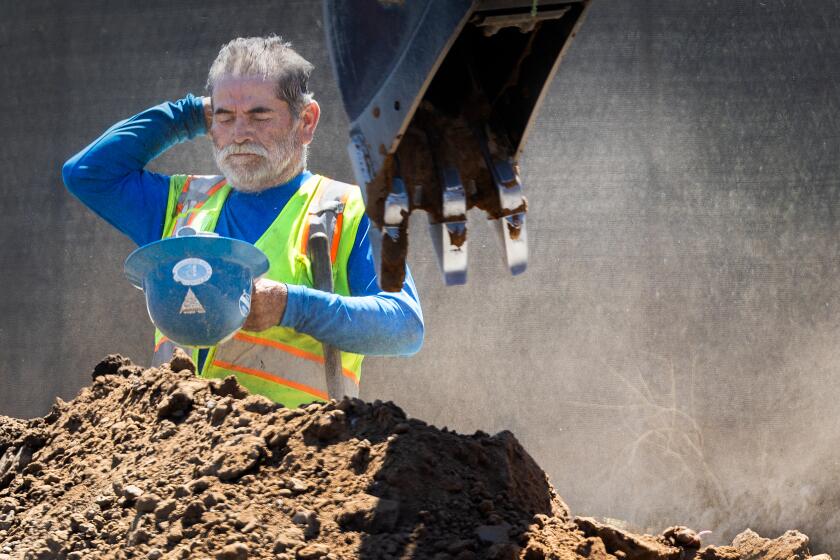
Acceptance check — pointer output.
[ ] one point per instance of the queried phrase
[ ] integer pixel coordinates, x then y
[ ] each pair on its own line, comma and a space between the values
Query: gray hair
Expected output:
269, 58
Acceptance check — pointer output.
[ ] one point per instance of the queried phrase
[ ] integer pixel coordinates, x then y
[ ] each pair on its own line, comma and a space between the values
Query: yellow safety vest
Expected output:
280, 363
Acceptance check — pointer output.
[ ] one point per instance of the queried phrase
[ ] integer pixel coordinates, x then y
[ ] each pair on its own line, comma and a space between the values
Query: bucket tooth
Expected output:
450, 235
394, 240
396, 209
514, 237
511, 226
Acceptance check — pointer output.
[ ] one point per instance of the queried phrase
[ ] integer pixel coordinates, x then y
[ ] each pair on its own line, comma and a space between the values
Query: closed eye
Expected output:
256, 114
222, 115
260, 113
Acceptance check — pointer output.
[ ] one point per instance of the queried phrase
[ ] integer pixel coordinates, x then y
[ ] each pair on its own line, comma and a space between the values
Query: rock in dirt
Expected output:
642, 547
110, 365
160, 464
792, 545
366, 513
181, 361
235, 551
682, 536
147, 503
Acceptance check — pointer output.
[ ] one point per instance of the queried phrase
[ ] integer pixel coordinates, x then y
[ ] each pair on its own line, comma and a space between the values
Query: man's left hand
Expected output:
208, 112
268, 303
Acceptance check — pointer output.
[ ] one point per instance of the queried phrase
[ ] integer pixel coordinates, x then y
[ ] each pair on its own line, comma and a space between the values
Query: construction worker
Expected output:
260, 117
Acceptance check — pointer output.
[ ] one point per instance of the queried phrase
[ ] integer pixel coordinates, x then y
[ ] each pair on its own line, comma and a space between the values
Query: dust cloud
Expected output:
671, 354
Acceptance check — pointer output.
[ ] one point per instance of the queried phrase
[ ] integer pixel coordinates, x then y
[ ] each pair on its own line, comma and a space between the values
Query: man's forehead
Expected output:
248, 90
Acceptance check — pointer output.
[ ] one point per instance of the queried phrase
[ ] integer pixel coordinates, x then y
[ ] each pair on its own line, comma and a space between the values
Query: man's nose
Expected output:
242, 131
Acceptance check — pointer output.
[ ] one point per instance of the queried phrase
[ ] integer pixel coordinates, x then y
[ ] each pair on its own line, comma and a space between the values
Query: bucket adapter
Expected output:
441, 96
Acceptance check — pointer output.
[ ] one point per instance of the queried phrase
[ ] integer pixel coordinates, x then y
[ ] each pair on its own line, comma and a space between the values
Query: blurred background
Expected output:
671, 355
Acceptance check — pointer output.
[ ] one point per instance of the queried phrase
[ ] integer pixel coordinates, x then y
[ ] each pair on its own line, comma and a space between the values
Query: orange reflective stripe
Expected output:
160, 343
297, 352
280, 346
183, 192
273, 378
210, 193
339, 221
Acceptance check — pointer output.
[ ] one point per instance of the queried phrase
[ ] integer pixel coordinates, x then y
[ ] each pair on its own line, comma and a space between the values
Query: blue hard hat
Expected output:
197, 285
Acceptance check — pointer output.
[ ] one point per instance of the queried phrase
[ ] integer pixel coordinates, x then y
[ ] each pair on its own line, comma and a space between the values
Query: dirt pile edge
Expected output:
157, 463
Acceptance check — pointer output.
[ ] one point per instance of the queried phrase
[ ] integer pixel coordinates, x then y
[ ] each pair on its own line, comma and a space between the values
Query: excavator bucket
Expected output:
441, 96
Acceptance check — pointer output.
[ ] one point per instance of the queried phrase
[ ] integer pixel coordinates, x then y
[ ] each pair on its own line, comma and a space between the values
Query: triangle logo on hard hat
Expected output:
191, 304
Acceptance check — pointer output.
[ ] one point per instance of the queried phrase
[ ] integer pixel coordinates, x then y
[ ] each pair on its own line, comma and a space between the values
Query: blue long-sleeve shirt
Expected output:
109, 177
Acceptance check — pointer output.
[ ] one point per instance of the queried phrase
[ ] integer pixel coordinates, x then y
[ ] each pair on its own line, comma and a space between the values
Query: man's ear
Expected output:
309, 122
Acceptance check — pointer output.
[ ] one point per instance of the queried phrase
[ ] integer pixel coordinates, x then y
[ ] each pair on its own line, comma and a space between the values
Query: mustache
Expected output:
246, 148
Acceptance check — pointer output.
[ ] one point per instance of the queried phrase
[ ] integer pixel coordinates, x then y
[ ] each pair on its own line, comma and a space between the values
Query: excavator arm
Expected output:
441, 96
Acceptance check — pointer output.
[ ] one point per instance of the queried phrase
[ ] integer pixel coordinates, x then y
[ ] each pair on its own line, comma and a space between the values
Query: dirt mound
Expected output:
157, 463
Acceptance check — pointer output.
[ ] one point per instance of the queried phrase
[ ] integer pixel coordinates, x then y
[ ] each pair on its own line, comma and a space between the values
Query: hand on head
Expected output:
208, 113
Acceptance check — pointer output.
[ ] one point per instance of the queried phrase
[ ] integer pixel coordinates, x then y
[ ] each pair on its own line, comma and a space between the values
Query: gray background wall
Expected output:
670, 356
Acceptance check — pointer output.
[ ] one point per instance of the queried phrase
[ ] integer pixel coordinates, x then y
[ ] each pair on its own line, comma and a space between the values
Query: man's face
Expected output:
257, 142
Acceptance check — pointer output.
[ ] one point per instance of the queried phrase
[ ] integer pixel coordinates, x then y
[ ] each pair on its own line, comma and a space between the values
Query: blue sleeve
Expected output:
369, 321
108, 175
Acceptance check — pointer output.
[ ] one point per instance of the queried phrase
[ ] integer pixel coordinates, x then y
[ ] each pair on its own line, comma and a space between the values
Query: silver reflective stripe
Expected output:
199, 186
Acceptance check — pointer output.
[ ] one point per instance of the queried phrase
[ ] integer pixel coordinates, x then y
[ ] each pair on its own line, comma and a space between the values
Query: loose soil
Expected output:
158, 463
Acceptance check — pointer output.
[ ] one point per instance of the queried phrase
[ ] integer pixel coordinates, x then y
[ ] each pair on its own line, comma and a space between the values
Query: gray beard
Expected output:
278, 164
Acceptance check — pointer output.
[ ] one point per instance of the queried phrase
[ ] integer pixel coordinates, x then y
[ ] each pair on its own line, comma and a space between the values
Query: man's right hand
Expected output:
208, 112
268, 304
